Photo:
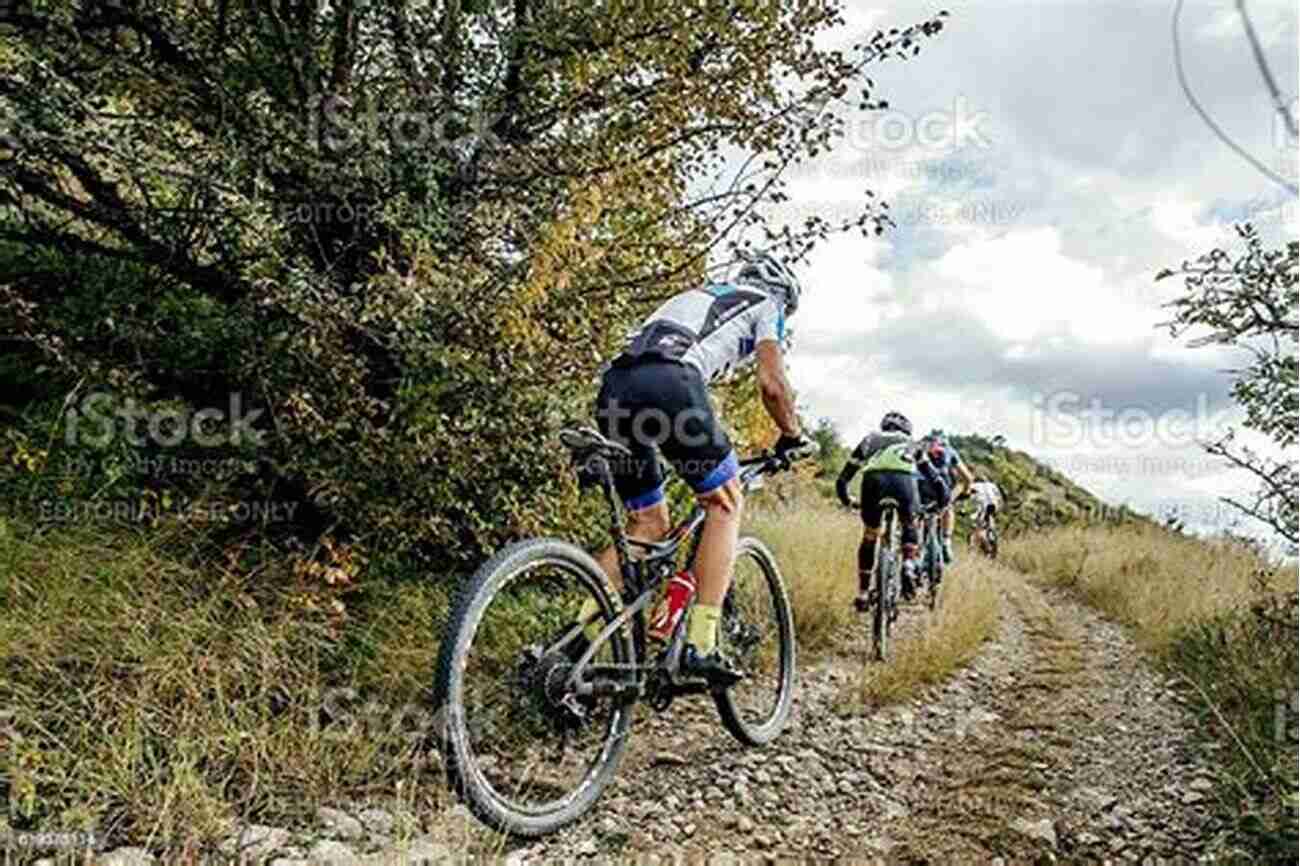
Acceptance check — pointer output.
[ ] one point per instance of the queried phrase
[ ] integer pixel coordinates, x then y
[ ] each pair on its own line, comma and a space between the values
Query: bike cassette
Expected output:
545, 679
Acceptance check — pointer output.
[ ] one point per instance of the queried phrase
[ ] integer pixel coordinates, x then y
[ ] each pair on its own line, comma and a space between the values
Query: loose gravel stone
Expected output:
1102, 745
327, 852
126, 857
255, 842
339, 824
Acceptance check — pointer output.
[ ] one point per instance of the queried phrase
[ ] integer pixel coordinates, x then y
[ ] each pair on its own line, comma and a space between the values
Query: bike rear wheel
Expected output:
886, 562
513, 747
934, 572
757, 632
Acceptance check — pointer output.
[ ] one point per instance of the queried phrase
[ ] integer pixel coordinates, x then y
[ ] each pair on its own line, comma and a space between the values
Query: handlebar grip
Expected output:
803, 452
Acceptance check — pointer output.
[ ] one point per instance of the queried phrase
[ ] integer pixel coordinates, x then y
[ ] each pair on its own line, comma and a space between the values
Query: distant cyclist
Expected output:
988, 499
891, 463
654, 397
949, 463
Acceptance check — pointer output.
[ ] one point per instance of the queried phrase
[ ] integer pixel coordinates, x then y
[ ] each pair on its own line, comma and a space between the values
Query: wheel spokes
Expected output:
524, 738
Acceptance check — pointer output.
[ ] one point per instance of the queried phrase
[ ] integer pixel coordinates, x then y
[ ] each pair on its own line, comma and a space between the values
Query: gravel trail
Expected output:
1056, 743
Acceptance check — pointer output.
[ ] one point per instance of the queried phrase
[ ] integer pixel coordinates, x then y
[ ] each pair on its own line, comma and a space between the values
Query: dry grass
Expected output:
816, 548
946, 640
147, 701
1152, 580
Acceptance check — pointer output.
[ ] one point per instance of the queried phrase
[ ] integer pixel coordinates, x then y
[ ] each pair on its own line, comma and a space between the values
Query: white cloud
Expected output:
1098, 175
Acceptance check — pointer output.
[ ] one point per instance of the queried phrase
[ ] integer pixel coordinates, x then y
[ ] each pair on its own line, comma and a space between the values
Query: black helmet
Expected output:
896, 421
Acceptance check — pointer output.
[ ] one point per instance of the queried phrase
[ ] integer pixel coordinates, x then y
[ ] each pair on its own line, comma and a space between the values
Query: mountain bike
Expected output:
986, 534
535, 715
932, 552
889, 559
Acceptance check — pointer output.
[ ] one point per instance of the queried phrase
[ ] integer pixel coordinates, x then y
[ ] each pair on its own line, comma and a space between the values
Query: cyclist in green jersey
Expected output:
890, 462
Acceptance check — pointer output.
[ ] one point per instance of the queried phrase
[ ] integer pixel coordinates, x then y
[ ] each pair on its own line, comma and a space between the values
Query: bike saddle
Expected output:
587, 441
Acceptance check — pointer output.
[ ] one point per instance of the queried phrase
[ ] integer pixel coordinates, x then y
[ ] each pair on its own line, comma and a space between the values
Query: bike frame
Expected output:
888, 549
930, 533
641, 578
985, 529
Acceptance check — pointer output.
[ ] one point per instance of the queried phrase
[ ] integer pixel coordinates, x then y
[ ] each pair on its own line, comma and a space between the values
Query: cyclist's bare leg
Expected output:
648, 524
717, 551
714, 560
946, 520
866, 564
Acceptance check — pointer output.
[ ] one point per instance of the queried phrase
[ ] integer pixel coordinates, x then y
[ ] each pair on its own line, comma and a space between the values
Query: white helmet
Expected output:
772, 275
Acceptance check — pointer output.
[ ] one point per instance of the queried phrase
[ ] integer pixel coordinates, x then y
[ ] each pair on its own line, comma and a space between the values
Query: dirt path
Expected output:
1056, 743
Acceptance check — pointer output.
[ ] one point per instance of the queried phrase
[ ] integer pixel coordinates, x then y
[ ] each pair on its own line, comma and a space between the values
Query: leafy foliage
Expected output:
406, 232
1251, 302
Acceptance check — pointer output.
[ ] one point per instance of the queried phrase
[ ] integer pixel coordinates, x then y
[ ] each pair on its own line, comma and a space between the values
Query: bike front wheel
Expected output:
522, 748
885, 565
757, 631
934, 570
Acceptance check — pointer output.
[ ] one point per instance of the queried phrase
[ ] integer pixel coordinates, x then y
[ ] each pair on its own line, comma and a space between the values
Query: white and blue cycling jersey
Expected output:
714, 329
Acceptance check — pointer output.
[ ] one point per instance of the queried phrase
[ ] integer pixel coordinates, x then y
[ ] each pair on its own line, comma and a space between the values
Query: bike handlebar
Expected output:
769, 463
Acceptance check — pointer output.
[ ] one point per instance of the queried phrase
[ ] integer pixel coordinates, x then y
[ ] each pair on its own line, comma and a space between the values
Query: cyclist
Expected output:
950, 465
936, 494
654, 395
890, 462
988, 498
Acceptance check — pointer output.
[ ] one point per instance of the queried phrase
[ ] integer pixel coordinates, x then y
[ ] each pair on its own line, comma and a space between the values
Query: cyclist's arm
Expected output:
846, 477
965, 478
774, 387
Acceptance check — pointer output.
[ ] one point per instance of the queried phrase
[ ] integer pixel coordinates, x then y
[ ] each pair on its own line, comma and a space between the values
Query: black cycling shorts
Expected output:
652, 406
928, 490
899, 486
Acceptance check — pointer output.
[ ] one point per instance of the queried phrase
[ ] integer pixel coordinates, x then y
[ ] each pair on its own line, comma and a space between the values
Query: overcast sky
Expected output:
1042, 165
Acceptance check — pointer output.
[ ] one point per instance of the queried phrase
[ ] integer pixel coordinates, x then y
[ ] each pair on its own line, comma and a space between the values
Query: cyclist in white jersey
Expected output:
988, 499
654, 398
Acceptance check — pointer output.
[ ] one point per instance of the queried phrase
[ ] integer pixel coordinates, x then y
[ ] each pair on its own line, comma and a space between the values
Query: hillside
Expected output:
1036, 496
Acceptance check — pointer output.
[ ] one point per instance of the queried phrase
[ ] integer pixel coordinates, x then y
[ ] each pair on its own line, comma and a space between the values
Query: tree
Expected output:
407, 232
831, 451
1250, 302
